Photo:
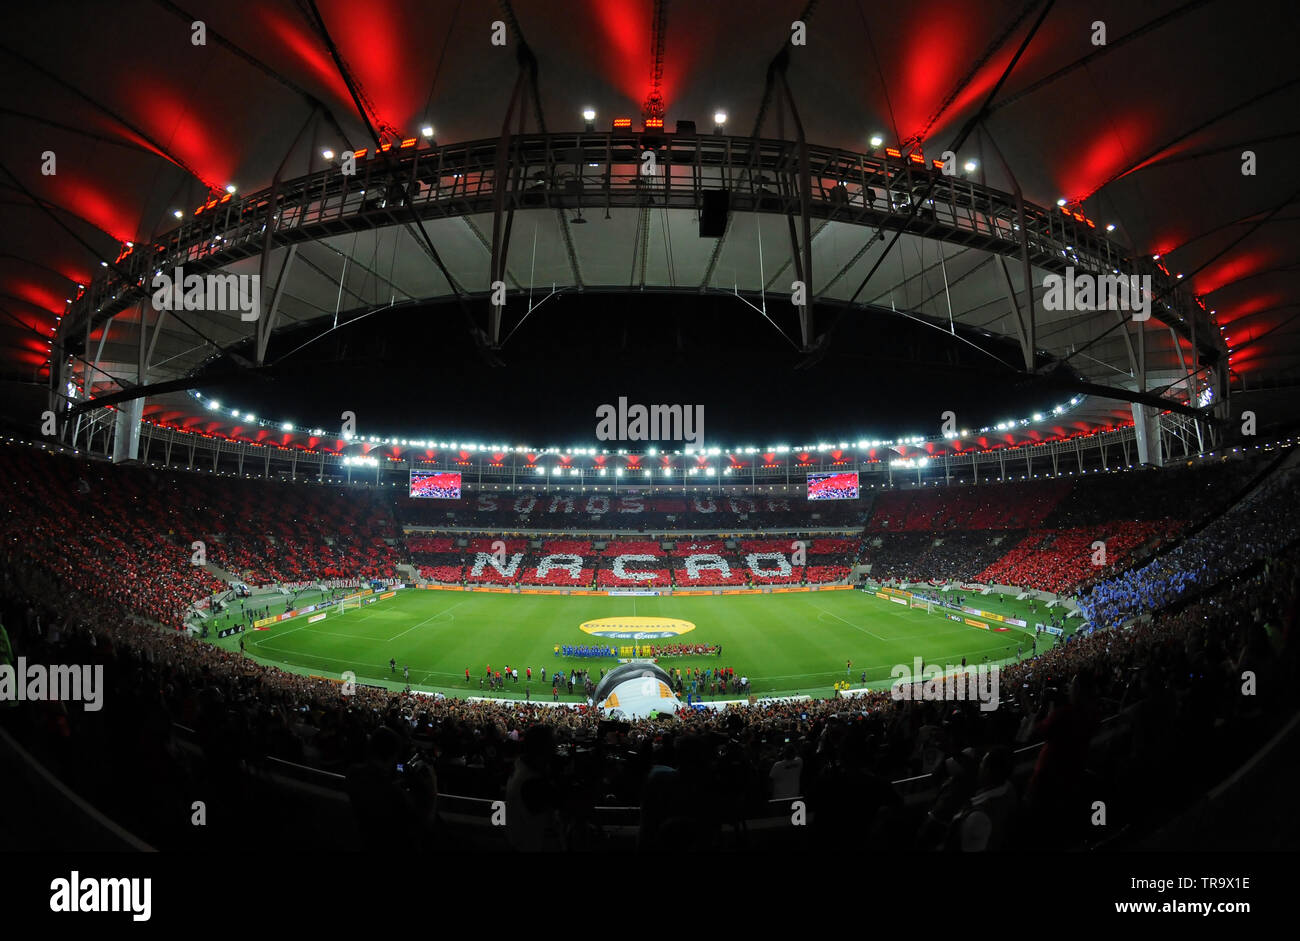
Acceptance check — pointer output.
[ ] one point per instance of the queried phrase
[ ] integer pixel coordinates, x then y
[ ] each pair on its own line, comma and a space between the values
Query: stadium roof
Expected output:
1145, 132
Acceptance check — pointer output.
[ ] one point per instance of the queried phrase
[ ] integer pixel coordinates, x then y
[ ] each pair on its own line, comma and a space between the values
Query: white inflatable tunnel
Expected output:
635, 691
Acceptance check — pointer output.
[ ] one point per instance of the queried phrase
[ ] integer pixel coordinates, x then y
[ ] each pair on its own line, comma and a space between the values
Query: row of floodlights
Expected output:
215, 406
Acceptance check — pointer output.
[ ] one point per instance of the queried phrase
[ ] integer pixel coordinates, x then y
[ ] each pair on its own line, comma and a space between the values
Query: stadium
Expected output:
636, 427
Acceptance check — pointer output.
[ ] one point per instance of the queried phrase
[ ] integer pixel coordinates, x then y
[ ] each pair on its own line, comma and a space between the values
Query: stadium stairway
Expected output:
217, 571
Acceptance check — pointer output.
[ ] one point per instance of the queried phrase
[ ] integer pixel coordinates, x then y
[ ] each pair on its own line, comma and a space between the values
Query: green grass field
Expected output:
785, 643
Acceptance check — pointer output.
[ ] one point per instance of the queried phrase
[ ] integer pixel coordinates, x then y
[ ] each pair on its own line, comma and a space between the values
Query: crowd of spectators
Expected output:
98, 563
557, 510
1058, 560
1043, 535
595, 563
1172, 679
1016, 505
1262, 524
920, 556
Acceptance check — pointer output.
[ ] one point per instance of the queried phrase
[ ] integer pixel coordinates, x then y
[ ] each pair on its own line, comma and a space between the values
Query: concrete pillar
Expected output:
1146, 425
126, 427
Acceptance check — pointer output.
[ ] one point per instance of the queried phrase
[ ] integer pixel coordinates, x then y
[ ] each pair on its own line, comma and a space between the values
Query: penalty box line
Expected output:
849, 623
424, 622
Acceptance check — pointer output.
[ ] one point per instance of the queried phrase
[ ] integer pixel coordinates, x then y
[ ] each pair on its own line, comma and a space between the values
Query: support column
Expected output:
1146, 427
126, 431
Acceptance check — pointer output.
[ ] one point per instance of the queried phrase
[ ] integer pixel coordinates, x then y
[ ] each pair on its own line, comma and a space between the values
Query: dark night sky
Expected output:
417, 372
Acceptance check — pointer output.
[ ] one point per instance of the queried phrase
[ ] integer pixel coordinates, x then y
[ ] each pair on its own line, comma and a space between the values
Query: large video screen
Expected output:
840, 486
436, 485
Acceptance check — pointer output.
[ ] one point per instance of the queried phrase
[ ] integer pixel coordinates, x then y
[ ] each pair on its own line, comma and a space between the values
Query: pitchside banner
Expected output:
992, 616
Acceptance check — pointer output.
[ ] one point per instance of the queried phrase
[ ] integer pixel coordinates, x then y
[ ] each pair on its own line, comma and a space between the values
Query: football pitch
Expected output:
786, 643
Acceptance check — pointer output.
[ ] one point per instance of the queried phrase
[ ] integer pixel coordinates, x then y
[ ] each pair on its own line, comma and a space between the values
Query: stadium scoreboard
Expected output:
435, 485
840, 485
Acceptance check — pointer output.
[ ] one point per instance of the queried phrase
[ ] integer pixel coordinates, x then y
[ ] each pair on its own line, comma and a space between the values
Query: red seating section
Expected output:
1061, 559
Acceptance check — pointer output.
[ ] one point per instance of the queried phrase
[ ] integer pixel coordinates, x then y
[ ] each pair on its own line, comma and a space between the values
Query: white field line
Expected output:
849, 623
425, 621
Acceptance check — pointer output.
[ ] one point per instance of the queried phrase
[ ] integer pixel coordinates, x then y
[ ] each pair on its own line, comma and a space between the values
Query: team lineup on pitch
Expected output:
786, 644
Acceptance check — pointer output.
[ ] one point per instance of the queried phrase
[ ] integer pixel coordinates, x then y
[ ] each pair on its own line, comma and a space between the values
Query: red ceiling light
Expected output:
622, 122
893, 152
654, 122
